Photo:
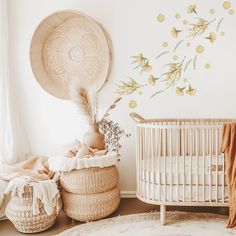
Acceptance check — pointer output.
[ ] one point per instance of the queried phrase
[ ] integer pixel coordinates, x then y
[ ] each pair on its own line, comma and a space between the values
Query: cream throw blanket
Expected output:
32, 171
46, 191
34, 167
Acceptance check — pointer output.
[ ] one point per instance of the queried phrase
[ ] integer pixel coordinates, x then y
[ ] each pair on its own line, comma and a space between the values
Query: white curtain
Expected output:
13, 142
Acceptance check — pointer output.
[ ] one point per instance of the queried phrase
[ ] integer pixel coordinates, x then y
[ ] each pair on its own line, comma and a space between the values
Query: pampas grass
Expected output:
86, 102
112, 106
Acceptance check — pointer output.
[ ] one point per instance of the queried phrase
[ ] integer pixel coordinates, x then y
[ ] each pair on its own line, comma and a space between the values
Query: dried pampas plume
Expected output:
113, 105
86, 102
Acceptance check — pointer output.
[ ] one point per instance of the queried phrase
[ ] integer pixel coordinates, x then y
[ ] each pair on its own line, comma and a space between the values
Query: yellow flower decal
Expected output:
175, 32
160, 18
189, 34
192, 9
139, 58
132, 104
142, 62
174, 73
191, 91
226, 5
231, 11
127, 88
152, 80
146, 67
179, 91
211, 37
177, 15
199, 49
199, 28
175, 58
212, 11
165, 44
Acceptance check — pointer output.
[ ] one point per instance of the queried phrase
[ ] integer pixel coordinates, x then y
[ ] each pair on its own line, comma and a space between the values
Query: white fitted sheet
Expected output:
181, 193
184, 178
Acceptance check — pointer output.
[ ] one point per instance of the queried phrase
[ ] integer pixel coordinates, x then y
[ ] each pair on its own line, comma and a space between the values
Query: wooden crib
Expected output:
179, 162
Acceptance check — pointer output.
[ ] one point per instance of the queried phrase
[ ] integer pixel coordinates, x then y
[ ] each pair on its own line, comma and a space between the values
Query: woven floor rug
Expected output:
148, 224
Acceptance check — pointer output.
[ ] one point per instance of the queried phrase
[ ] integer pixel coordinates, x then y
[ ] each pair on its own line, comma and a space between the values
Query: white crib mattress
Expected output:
182, 170
185, 193
184, 178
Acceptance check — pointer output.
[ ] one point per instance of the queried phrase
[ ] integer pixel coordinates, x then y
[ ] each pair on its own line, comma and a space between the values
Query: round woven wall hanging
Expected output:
69, 47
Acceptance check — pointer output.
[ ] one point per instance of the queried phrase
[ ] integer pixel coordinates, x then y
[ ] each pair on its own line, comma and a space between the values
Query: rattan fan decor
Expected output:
67, 46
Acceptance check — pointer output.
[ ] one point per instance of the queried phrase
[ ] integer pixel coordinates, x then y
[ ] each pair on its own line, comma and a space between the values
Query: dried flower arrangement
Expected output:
112, 130
86, 101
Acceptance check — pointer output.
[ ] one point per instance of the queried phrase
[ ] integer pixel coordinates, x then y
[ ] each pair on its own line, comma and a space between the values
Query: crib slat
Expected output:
184, 153
203, 158
143, 160
170, 156
223, 179
159, 166
164, 156
178, 143
140, 159
197, 172
148, 161
216, 153
137, 157
210, 164
190, 151
152, 141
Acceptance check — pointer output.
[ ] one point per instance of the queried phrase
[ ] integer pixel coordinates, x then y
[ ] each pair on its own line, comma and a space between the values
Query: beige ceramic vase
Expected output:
94, 138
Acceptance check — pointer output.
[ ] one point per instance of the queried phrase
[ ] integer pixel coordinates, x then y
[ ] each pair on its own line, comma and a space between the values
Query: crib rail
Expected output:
139, 119
179, 161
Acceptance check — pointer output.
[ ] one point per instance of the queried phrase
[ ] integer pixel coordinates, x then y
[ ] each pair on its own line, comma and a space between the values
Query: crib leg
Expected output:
163, 214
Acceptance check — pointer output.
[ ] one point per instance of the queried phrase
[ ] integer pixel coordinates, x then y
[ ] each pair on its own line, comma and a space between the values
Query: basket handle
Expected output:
136, 117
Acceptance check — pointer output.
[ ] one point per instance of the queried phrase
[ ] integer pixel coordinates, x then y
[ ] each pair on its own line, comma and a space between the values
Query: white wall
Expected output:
132, 26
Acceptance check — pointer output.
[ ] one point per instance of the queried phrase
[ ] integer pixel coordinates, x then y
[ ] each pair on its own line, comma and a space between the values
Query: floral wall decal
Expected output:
196, 33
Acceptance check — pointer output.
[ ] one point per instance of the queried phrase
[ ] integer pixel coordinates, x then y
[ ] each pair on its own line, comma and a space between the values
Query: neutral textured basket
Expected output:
91, 206
90, 180
20, 212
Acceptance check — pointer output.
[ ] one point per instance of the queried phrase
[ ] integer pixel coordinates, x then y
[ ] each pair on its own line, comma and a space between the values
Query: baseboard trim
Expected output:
128, 194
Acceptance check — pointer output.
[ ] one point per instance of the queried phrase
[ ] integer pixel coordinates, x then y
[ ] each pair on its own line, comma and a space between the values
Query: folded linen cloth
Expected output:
228, 147
60, 163
46, 191
34, 167
81, 150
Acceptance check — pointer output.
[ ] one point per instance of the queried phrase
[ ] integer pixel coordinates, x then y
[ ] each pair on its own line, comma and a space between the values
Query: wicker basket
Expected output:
90, 180
20, 212
91, 206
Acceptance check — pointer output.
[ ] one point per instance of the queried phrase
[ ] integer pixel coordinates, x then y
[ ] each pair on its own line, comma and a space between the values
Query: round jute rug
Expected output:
148, 224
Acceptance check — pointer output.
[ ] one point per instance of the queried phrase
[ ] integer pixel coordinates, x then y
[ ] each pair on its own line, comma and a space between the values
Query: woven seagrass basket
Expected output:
90, 180
20, 212
91, 206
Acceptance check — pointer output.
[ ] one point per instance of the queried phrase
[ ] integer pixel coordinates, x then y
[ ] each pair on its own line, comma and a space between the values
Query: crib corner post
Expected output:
163, 214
